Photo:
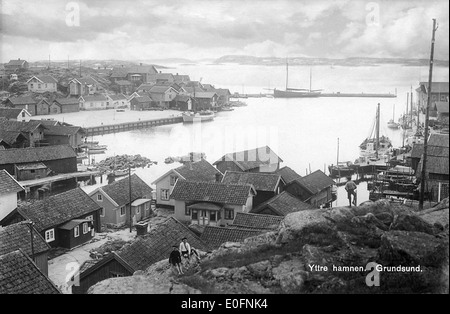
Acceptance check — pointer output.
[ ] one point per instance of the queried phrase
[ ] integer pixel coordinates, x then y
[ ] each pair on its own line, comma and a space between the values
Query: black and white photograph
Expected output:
225, 151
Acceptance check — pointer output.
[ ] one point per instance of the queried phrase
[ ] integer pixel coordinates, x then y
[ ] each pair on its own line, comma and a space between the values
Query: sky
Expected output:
209, 29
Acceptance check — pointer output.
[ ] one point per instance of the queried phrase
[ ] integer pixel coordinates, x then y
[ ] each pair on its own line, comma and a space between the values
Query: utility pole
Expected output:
129, 189
377, 143
411, 113
425, 140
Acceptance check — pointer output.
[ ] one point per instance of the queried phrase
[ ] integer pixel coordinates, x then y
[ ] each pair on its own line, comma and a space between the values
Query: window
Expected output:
443, 98
122, 211
102, 212
76, 232
31, 85
99, 197
32, 171
85, 228
50, 235
39, 85
229, 214
164, 194
23, 114
212, 216
194, 214
91, 217
114, 274
187, 211
173, 180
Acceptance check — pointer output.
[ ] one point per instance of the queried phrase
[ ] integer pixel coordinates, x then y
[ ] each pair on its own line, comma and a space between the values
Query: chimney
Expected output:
218, 177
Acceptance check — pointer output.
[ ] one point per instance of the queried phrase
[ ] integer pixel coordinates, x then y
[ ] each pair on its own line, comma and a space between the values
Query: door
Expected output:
204, 219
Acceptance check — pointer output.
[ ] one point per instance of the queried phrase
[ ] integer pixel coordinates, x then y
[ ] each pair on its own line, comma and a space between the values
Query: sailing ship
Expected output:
341, 169
392, 124
296, 92
375, 150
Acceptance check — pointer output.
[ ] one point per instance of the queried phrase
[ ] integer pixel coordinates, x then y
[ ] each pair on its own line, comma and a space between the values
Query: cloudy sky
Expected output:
197, 29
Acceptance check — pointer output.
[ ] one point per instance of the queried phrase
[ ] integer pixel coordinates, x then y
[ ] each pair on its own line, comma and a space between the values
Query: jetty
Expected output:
372, 95
129, 126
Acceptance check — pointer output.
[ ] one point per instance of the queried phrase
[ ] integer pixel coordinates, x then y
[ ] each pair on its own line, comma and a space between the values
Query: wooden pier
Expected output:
129, 126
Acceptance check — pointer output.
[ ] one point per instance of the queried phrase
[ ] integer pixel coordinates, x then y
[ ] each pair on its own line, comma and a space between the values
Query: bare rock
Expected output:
413, 248
436, 217
411, 222
291, 275
260, 269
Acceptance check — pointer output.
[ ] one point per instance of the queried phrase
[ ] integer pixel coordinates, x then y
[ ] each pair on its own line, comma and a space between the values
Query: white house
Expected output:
9, 188
93, 102
42, 83
84, 86
15, 114
196, 171
117, 101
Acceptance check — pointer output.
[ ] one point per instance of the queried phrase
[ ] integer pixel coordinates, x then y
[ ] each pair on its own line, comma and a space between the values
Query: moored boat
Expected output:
200, 116
342, 169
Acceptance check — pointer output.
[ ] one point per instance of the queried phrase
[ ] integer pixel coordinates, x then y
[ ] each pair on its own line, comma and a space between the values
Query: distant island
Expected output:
352, 61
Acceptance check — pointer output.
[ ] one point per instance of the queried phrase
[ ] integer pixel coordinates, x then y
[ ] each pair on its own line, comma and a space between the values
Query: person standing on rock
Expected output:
185, 250
350, 187
175, 259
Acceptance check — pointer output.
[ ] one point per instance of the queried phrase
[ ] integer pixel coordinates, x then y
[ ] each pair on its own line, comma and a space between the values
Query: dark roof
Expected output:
34, 154
159, 89
436, 165
119, 190
316, 181
86, 80
438, 151
63, 130
16, 62
10, 137
442, 106
97, 97
438, 140
29, 126
211, 192
142, 69
145, 86
142, 99
88, 264
252, 158
59, 209
66, 101
8, 184
200, 170
417, 151
437, 87
19, 275
222, 91
10, 113
261, 181
183, 98
257, 221
207, 95
288, 174
45, 79
283, 204
157, 245
117, 97
214, 237
123, 82
22, 100
17, 236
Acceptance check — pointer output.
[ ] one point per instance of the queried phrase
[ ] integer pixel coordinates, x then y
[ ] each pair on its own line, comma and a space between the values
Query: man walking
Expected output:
350, 187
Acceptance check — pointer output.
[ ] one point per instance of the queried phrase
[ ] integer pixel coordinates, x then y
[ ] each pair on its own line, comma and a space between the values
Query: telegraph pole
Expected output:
425, 140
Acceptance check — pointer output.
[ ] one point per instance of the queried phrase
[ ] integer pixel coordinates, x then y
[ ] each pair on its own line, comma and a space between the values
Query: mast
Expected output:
425, 140
287, 73
337, 160
411, 113
406, 115
310, 79
377, 143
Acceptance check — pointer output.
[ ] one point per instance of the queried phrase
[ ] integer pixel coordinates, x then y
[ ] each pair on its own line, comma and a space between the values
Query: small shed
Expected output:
30, 171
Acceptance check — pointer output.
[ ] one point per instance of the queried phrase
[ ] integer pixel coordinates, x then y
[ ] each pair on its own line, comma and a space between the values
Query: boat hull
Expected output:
190, 118
336, 172
292, 94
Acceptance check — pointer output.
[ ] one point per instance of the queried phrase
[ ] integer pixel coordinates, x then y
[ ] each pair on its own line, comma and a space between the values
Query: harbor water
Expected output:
304, 132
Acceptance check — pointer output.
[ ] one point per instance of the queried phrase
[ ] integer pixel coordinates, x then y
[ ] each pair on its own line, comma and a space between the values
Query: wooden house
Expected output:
162, 95
287, 174
206, 100
439, 92
68, 219
15, 65
9, 188
210, 203
43, 107
42, 84
281, 205
114, 198
223, 98
65, 105
140, 103
20, 275
15, 114
140, 73
32, 130
84, 86
117, 101
65, 135
13, 139
124, 87
182, 102
30, 171
93, 102
201, 170
139, 254
261, 159
58, 158
267, 185
442, 108
18, 236
22, 102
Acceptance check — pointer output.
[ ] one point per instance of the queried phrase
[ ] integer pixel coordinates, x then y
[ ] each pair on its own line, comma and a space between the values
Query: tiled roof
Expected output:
45, 79
211, 192
283, 204
10, 113
19, 275
59, 209
8, 184
118, 97
222, 91
437, 87
417, 151
252, 158
119, 190
145, 86
142, 69
183, 98
85, 81
158, 89
257, 221
16, 62
10, 137
47, 122
123, 82
288, 174
438, 151
316, 181
157, 245
34, 154
142, 99
207, 95
442, 106
438, 140
22, 100
261, 181
28, 126
66, 101
436, 164
63, 130
94, 98
200, 170
88, 264
214, 237
17, 236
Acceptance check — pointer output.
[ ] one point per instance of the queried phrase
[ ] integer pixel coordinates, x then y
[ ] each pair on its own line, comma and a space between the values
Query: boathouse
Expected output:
67, 220
22, 102
15, 114
210, 203
281, 205
141, 102
261, 159
12, 139
32, 130
64, 105
93, 102
200, 170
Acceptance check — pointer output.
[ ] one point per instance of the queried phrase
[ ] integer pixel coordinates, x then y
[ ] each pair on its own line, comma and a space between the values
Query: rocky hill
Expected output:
318, 251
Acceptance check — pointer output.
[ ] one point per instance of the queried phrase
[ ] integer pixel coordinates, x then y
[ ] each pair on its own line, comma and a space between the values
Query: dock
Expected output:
370, 95
129, 126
